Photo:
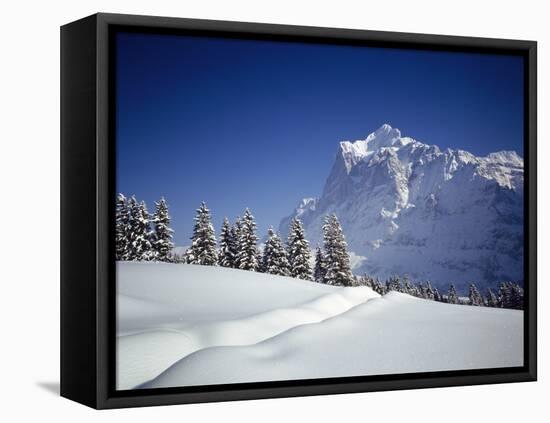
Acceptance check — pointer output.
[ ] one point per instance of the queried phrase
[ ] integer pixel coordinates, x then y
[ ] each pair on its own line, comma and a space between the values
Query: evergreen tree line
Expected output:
508, 295
238, 249
141, 236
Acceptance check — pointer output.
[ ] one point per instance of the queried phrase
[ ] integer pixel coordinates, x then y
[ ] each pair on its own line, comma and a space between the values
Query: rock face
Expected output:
411, 208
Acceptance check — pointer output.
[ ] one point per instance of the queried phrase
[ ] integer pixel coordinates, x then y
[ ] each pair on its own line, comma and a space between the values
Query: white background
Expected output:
29, 177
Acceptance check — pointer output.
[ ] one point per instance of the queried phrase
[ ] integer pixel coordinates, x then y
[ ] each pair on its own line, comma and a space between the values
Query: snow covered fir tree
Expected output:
337, 261
299, 255
122, 228
492, 300
247, 253
141, 236
226, 255
203, 249
320, 269
452, 298
141, 247
162, 236
274, 256
475, 297
134, 237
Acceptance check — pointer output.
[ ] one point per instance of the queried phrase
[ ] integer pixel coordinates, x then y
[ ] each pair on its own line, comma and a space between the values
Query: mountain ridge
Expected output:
407, 207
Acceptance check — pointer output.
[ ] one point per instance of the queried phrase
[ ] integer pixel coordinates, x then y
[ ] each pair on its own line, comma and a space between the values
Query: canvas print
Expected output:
292, 210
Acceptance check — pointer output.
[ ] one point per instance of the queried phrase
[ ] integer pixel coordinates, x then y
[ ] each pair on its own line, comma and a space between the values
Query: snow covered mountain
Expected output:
411, 208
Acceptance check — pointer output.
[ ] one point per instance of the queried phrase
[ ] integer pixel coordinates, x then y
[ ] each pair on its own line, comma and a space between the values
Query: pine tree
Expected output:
162, 238
247, 254
416, 290
393, 284
492, 300
338, 269
428, 292
407, 286
122, 228
132, 206
299, 256
203, 242
505, 295
437, 295
378, 287
366, 280
226, 255
234, 242
320, 269
274, 258
517, 297
452, 298
421, 291
511, 296
141, 234
475, 298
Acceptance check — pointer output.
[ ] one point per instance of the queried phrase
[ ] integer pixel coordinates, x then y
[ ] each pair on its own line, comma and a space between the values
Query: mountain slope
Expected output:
411, 208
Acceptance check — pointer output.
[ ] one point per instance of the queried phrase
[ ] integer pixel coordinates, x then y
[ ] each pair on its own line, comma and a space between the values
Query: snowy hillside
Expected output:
411, 208
181, 325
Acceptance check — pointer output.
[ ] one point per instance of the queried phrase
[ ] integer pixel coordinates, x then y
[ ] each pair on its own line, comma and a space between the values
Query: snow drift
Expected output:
183, 325
166, 311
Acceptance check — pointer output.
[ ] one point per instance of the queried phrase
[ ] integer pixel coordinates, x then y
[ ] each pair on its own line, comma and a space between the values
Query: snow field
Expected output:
184, 325
144, 354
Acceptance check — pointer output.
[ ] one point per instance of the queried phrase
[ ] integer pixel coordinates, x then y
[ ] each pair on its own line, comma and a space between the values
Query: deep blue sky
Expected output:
243, 123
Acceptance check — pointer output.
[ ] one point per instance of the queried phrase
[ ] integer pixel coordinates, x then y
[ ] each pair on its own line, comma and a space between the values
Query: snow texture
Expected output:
183, 325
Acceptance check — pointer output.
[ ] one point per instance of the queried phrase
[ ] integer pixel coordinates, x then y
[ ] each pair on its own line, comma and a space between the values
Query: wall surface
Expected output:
29, 174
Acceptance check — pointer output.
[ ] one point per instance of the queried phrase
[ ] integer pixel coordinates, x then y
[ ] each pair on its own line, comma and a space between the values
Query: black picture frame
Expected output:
87, 188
